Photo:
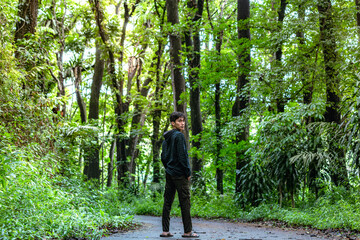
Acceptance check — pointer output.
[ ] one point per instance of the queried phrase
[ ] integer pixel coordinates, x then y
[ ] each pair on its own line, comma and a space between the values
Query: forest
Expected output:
270, 89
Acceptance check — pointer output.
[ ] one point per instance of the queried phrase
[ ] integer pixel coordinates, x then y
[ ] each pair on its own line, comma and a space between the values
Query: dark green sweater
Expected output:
174, 154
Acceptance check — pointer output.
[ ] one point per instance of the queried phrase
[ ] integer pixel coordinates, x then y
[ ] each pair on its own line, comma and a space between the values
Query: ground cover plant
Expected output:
37, 204
336, 210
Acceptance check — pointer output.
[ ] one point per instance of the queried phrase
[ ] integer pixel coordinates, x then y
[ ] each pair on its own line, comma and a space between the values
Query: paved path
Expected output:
210, 230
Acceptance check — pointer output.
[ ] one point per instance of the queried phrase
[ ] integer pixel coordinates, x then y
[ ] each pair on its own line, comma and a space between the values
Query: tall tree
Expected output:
243, 95
307, 82
175, 56
308, 90
219, 37
218, 45
332, 114
91, 156
122, 105
160, 83
280, 101
192, 40
117, 86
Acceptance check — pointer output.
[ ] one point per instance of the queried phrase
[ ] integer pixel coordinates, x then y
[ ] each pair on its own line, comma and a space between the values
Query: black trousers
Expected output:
182, 186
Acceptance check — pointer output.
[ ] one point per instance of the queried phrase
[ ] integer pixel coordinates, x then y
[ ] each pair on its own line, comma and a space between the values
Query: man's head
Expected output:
177, 120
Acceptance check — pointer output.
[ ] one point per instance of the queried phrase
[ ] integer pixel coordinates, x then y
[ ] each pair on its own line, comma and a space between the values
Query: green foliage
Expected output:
337, 209
37, 203
255, 183
42, 193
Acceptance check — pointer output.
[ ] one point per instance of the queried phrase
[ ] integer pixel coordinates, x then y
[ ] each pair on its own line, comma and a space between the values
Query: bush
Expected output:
36, 203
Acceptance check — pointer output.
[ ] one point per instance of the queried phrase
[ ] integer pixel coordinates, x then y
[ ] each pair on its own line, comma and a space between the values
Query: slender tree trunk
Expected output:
117, 87
79, 99
218, 161
111, 165
156, 115
308, 84
332, 113
280, 195
218, 45
178, 80
219, 170
243, 96
175, 56
138, 119
123, 164
156, 144
96, 85
92, 150
193, 42
280, 101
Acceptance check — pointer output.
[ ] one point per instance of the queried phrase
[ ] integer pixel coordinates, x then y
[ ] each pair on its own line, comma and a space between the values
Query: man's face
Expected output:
179, 124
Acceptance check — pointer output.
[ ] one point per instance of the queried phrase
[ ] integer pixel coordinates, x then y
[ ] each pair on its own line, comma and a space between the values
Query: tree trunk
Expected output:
218, 45
27, 22
91, 156
111, 165
158, 95
242, 96
280, 101
138, 119
79, 99
175, 56
122, 142
219, 170
280, 196
96, 85
218, 161
156, 143
117, 87
308, 84
193, 44
332, 114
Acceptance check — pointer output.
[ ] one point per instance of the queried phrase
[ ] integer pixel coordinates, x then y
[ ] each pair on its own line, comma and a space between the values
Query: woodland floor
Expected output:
150, 228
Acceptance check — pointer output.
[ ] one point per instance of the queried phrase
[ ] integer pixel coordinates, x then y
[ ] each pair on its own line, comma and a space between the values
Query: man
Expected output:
175, 158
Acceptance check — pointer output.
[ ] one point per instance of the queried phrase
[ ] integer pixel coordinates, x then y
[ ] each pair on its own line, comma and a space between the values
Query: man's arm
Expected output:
183, 155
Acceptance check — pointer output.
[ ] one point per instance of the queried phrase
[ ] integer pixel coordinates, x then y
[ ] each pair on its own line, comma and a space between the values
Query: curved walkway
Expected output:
210, 230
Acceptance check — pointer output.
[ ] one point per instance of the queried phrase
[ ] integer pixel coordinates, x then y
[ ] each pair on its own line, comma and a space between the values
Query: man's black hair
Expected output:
176, 115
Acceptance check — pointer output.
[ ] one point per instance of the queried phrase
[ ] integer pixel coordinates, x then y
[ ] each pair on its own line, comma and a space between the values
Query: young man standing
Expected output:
175, 158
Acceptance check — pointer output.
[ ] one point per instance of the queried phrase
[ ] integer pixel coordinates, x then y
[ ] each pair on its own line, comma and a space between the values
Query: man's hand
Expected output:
189, 177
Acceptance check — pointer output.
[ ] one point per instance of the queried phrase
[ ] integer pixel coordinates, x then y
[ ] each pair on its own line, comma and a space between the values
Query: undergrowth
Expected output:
327, 212
37, 203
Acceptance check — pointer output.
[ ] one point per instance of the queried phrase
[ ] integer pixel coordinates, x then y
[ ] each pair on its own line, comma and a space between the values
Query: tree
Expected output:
192, 40
243, 95
28, 13
160, 83
117, 86
218, 31
332, 113
91, 156
175, 56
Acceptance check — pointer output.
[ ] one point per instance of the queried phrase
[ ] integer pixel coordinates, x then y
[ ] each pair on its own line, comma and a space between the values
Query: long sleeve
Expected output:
182, 154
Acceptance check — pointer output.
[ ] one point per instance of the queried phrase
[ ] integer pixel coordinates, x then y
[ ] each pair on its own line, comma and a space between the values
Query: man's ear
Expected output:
172, 123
